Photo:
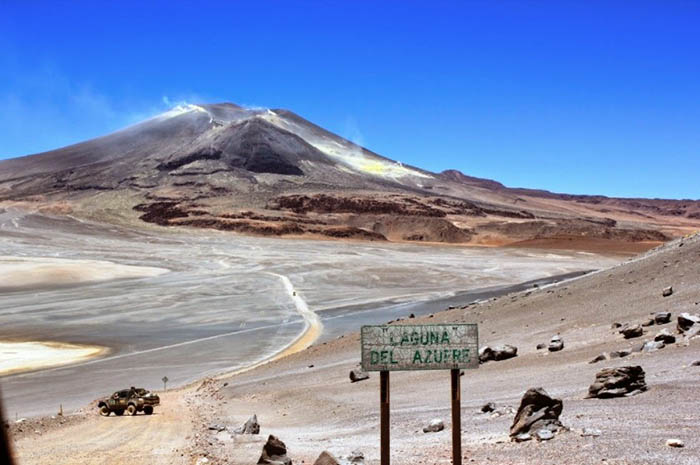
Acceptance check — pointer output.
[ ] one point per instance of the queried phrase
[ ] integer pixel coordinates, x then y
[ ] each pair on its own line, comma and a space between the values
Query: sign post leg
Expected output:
456, 417
384, 416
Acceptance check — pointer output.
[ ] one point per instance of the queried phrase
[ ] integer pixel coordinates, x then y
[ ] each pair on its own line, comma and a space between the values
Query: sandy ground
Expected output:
307, 400
18, 357
162, 438
38, 273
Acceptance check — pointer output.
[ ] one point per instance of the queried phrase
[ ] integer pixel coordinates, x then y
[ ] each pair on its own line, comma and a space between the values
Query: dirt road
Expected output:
162, 438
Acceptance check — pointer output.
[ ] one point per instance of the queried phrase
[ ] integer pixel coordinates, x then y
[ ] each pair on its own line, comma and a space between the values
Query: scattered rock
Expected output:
696, 363
616, 325
600, 358
355, 457
274, 452
544, 435
687, 321
326, 458
618, 382
537, 411
630, 332
499, 353
665, 336
661, 318
556, 344
667, 291
653, 346
358, 375
591, 432
622, 353
541, 346
648, 322
216, 427
674, 442
434, 426
411, 315
249, 427
522, 437
490, 407
485, 354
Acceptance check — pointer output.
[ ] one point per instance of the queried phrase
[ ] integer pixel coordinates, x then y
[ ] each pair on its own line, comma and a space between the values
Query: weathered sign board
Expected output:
420, 347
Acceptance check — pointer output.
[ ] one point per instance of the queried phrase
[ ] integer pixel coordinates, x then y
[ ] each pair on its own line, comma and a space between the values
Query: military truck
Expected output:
131, 401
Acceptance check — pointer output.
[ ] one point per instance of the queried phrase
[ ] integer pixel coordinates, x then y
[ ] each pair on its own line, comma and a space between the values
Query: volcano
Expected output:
271, 172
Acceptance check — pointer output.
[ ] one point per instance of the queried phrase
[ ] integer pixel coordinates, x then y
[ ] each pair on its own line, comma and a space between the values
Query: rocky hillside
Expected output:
271, 172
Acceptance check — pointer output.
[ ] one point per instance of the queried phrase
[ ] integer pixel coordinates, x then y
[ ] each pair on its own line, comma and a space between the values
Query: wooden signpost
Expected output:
451, 347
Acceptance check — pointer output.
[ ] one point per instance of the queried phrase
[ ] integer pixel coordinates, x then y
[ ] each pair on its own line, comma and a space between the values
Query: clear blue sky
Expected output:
581, 97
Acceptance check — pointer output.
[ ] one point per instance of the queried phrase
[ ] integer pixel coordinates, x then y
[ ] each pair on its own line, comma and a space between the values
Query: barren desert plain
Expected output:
237, 253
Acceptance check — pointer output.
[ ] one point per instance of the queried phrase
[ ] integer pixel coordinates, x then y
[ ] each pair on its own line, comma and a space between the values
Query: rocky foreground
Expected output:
639, 405
600, 369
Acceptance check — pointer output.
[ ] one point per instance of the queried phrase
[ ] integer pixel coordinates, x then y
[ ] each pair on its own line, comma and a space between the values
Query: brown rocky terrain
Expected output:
270, 172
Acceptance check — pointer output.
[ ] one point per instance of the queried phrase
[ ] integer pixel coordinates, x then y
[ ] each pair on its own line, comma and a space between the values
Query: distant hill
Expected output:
271, 172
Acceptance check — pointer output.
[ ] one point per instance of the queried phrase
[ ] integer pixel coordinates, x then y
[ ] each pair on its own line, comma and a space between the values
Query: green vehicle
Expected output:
131, 401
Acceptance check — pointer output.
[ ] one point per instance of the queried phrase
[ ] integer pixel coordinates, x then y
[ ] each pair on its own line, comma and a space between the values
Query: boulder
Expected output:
251, 426
620, 353
537, 411
630, 332
617, 382
653, 346
541, 346
600, 358
665, 336
485, 354
661, 318
490, 407
326, 458
434, 426
358, 375
649, 322
674, 442
687, 321
667, 291
355, 457
555, 344
274, 452
503, 352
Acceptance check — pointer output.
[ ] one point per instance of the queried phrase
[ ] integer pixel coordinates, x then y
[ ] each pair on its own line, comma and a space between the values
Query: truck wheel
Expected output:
104, 411
131, 409
148, 410
119, 412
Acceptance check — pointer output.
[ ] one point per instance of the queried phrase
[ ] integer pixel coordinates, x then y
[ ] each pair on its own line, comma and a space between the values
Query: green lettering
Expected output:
434, 338
391, 357
374, 357
417, 357
456, 355
383, 357
445, 338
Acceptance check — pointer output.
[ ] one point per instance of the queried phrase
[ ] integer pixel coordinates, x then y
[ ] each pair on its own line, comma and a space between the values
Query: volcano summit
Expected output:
271, 172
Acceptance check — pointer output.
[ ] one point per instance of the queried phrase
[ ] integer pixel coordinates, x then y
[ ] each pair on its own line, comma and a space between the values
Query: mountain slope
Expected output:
272, 172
